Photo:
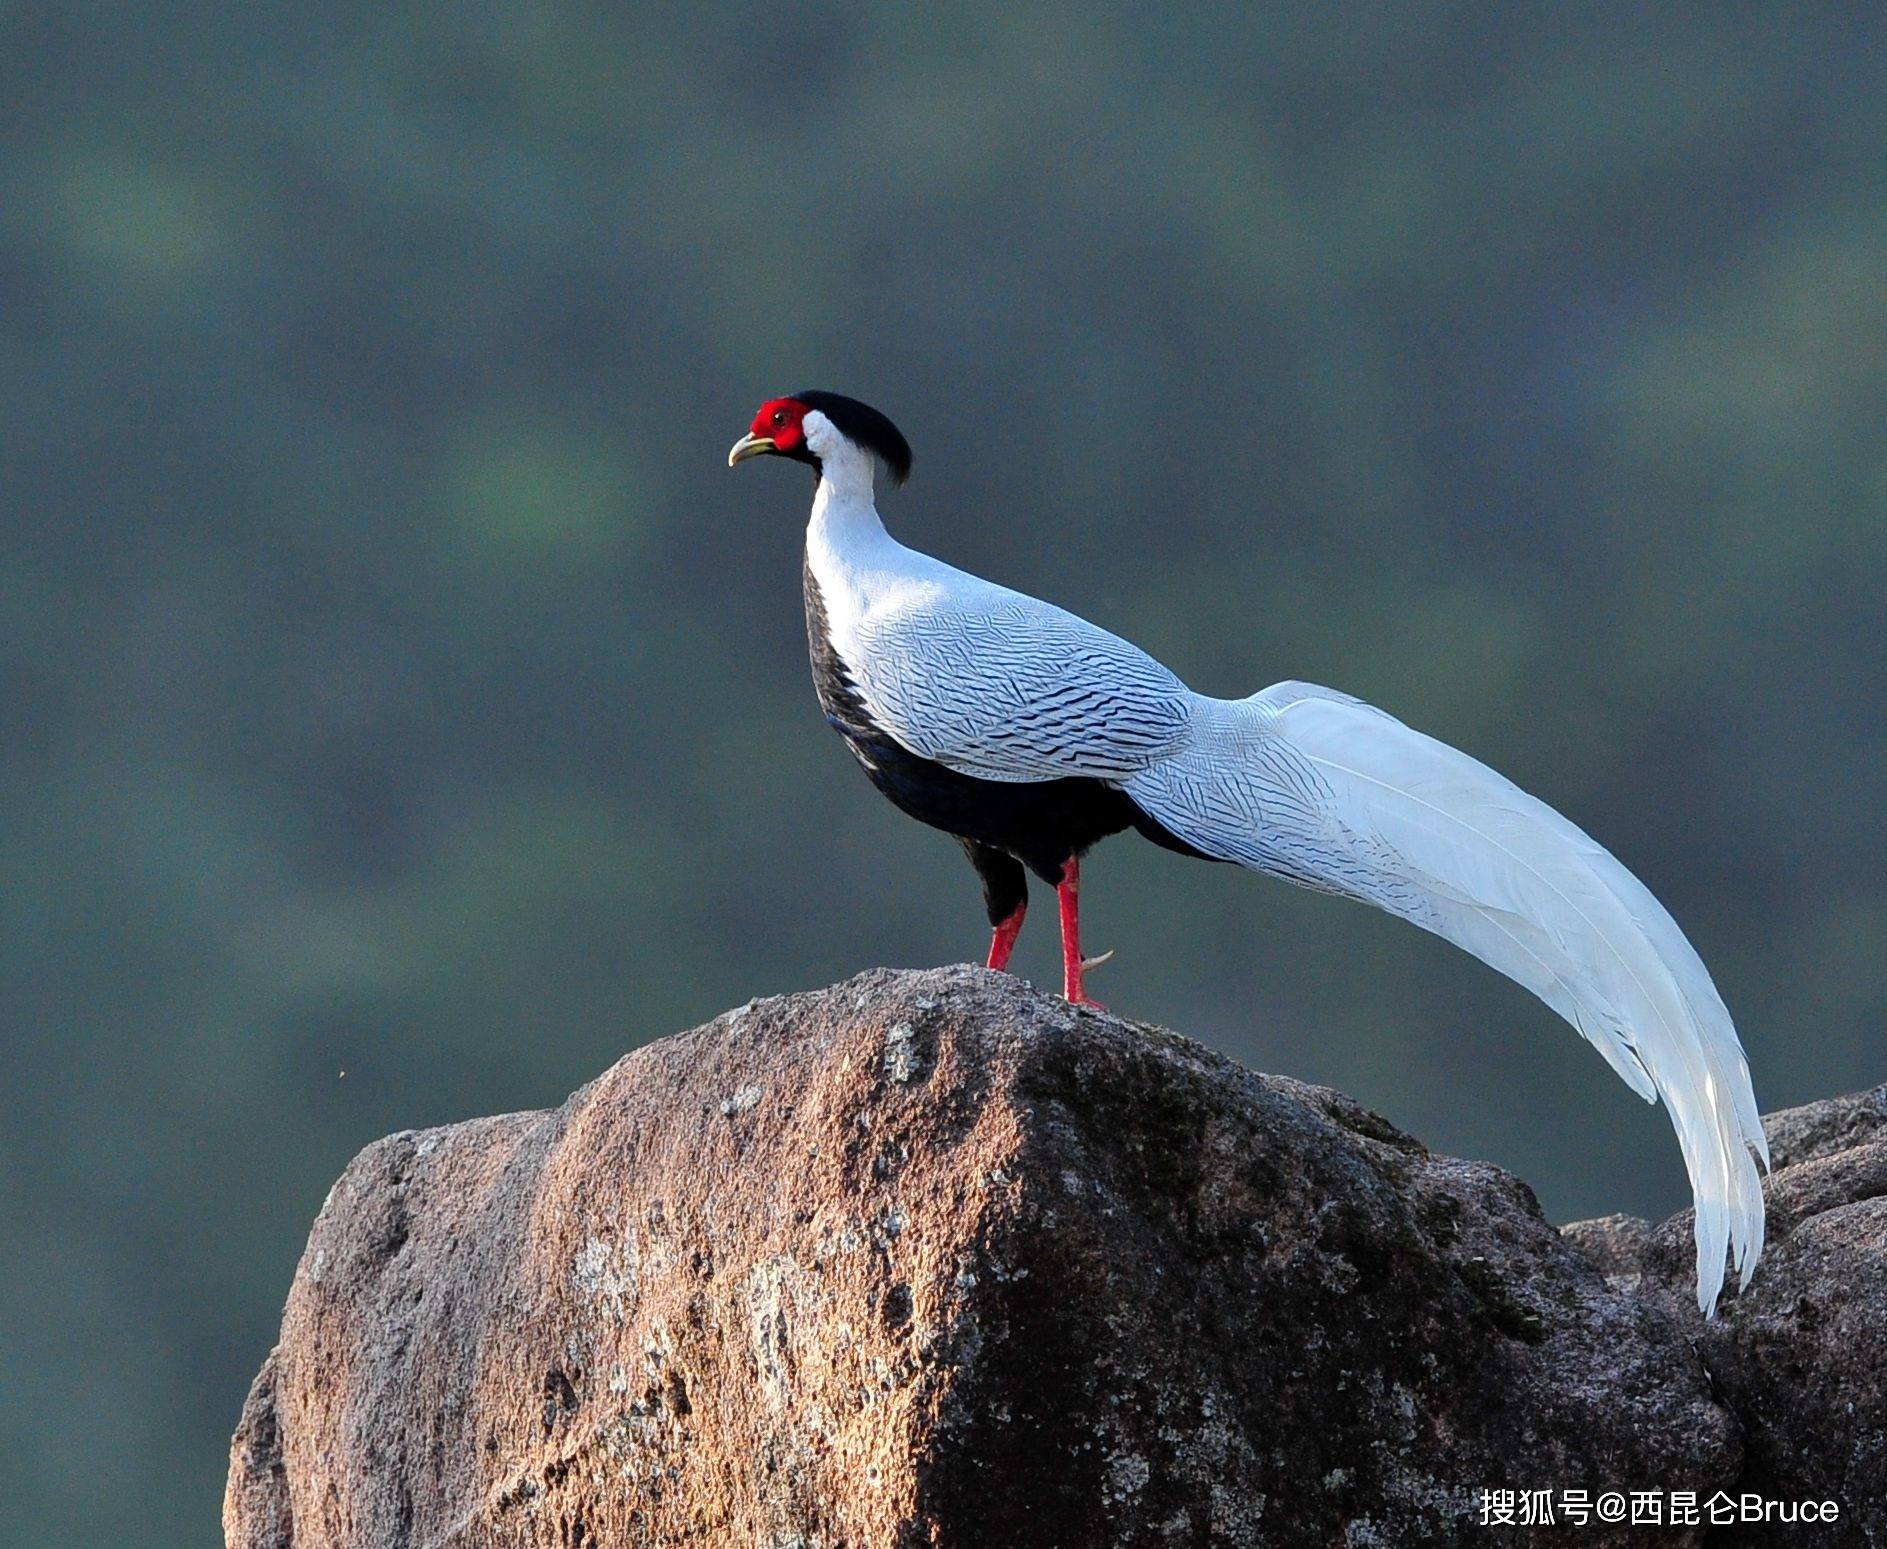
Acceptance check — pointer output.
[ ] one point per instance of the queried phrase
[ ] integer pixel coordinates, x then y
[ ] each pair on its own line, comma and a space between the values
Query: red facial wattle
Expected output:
781, 421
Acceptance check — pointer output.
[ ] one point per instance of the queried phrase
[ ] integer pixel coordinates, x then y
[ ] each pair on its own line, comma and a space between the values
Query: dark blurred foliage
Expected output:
405, 709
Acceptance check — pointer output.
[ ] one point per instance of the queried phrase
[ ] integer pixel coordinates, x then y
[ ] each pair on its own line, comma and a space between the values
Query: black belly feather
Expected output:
1042, 823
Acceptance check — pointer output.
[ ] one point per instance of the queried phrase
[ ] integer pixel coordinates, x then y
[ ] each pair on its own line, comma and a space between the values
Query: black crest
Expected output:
864, 426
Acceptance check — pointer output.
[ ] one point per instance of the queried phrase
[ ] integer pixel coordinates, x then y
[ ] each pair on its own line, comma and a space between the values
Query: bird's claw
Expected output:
1089, 964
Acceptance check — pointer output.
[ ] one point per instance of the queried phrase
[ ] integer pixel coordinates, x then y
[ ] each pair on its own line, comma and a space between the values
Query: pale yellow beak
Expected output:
749, 446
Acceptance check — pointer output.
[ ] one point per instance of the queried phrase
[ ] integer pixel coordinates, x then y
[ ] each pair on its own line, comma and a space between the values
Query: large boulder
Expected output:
933, 1259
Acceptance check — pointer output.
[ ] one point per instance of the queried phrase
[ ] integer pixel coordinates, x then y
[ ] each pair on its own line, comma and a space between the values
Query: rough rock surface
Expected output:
1800, 1357
933, 1259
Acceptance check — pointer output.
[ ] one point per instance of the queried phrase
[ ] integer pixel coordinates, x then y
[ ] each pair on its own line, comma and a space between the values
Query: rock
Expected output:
1797, 1355
1615, 1245
932, 1259
1826, 1128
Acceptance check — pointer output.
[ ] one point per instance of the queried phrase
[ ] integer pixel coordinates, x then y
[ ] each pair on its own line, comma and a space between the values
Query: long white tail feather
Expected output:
1328, 792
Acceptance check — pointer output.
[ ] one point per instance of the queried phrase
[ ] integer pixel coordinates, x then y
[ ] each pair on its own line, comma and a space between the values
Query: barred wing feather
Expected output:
1009, 688
1328, 792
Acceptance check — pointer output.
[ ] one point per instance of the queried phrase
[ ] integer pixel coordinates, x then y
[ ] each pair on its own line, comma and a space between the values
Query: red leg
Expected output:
1003, 942
1068, 895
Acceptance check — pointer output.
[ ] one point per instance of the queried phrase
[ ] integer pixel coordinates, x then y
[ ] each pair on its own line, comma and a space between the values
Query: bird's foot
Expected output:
1076, 994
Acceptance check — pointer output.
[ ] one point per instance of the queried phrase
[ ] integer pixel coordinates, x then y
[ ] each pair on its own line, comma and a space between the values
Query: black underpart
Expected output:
1005, 883
1042, 824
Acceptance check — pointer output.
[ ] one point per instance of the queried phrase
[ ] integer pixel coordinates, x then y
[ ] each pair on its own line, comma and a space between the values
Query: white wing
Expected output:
1331, 793
1003, 686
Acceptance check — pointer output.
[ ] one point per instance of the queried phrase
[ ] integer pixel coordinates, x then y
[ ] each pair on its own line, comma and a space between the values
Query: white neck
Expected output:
844, 512
861, 570
845, 469
843, 517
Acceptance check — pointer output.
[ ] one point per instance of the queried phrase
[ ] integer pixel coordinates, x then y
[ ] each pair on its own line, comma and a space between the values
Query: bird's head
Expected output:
814, 427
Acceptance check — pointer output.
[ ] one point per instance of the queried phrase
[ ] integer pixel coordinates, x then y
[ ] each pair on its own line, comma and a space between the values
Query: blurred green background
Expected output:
405, 711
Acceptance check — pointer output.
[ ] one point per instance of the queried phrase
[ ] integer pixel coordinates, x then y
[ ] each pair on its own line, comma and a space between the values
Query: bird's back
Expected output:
988, 680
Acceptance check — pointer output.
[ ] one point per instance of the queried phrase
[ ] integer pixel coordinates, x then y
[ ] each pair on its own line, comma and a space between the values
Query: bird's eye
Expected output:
779, 416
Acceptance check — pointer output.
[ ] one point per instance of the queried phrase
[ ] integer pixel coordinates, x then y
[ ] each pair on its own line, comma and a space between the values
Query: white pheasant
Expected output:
1029, 734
